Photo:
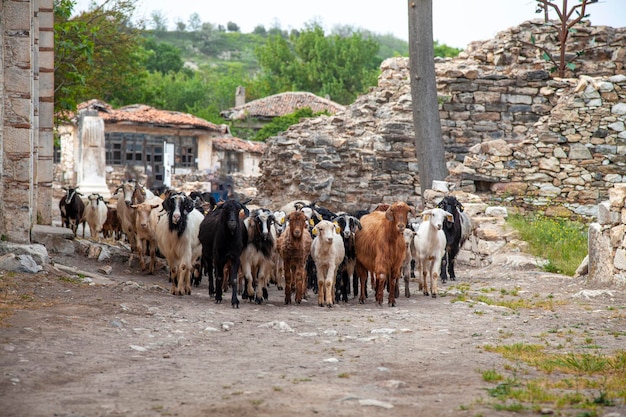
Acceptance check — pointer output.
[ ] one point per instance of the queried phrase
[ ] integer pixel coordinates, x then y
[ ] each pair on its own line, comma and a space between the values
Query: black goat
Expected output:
72, 210
223, 236
456, 234
348, 226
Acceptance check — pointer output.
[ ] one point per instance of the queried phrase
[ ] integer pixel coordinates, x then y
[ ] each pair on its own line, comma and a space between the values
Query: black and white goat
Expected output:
348, 226
456, 231
72, 210
257, 263
177, 239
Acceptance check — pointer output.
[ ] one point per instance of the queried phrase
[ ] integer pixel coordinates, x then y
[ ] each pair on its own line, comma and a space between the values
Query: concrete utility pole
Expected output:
431, 155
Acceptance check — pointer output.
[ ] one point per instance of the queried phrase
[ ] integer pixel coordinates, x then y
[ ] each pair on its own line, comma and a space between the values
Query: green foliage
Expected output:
562, 242
445, 51
97, 54
162, 57
340, 67
203, 94
282, 123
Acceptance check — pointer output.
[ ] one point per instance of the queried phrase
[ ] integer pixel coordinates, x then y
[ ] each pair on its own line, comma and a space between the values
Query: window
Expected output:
56, 155
233, 162
147, 150
186, 152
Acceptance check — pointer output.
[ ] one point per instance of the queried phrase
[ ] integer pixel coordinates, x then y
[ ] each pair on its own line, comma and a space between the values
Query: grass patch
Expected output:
586, 382
508, 299
562, 242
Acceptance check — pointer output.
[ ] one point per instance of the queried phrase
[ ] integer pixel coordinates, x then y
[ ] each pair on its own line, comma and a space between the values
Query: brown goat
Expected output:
146, 219
294, 246
112, 226
380, 249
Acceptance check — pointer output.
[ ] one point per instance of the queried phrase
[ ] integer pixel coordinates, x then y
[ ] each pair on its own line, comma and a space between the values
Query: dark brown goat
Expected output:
294, 246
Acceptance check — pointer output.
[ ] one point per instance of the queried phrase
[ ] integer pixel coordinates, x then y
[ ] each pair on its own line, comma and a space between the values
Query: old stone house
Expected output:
257, 113
158, 147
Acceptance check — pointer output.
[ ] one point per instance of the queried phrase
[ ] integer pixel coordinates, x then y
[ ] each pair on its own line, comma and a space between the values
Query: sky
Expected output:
455, 22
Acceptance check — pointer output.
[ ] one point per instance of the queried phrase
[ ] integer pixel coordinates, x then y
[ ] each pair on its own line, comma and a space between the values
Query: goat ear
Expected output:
337, 228
311, 222
460, 206
450, 217
167, 204
389, 214
314, 232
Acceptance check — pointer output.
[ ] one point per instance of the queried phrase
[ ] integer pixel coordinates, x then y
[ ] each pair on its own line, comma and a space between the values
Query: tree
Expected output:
563, 30
232, 27
163, 57
195, 23
431, 156
180, 26
260, 30
97, 54
340, 67
159, 21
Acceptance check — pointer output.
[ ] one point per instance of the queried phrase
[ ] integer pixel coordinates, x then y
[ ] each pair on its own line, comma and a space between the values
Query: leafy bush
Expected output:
562, 242
282, 123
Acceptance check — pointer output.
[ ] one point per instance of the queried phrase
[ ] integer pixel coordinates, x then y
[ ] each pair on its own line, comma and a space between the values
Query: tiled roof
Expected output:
236, 144
142, 114
280, 105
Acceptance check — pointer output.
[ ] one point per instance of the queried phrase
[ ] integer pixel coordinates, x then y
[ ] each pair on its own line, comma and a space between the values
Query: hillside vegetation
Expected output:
197, 68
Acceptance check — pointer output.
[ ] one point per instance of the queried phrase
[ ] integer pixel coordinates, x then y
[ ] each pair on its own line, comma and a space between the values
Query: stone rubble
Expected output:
510, 131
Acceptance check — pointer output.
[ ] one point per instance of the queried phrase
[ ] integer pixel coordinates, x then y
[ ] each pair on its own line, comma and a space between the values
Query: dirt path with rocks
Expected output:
123, 346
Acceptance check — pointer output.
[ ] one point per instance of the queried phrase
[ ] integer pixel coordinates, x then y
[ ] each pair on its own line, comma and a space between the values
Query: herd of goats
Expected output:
299, 247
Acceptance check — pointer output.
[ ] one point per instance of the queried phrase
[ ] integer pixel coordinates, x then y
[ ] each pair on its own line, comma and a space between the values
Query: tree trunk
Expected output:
431, 155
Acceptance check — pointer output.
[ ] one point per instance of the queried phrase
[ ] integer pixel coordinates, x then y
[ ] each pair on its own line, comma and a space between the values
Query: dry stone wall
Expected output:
569, 158
499, 94
607, 243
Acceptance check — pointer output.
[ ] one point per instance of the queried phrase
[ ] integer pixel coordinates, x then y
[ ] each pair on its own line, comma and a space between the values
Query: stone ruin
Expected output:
606, 261
513, 136
510, 131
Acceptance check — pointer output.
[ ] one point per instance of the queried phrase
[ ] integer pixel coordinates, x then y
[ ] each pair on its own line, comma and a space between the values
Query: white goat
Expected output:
327, 252
430, 245
95, 214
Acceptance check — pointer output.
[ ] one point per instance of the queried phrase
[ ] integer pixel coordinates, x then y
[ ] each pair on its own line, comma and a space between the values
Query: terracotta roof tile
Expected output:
236, 144
143, 114
281, 104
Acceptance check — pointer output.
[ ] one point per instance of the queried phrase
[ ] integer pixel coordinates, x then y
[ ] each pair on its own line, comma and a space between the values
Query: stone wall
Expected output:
499, 90
607, 244
26, 116
570, 158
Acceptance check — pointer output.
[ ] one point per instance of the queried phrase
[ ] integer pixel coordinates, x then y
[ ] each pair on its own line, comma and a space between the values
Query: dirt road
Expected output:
123, 346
